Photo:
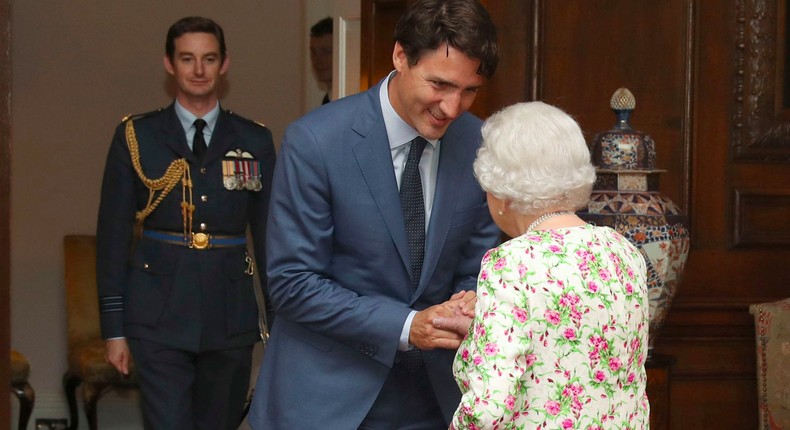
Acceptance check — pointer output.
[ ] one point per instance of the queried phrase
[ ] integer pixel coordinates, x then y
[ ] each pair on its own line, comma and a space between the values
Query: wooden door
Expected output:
5, 209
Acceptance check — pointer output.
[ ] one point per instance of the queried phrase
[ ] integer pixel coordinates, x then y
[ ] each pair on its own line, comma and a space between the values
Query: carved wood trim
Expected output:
760, 130
535, 76
690, 85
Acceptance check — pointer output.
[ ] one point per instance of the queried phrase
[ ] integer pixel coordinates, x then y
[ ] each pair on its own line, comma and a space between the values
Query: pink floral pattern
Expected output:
560, 336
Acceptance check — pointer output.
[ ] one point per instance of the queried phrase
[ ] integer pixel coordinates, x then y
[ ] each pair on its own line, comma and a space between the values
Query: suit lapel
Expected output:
374, 159
445, 197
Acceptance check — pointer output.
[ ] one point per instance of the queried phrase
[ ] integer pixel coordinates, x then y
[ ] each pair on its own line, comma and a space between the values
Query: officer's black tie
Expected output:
199, 142
413, 206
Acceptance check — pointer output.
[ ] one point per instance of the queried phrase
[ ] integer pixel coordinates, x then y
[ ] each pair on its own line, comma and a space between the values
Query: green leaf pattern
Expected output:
559, 340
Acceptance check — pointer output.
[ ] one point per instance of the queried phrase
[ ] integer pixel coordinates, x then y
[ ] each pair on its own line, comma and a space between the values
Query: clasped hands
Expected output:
444, 325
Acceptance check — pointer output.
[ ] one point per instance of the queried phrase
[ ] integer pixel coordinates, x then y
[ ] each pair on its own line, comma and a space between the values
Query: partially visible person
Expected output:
181, 301
376, 227
559, 337
321, 55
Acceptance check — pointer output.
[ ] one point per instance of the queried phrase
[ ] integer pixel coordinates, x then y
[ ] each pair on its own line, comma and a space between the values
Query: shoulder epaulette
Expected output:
235, 115
140, 115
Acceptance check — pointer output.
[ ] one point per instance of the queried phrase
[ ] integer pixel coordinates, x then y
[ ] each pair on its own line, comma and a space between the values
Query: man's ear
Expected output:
225, 65
168, 65
399, 59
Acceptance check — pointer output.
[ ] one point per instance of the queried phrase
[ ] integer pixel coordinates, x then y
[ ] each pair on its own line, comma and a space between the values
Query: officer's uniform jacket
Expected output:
172, 294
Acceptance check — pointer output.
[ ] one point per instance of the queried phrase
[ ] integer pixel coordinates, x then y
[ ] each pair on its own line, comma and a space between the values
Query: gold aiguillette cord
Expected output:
177, 171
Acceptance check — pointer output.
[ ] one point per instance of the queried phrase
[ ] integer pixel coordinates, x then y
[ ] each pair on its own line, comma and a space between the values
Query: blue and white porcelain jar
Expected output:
625, 197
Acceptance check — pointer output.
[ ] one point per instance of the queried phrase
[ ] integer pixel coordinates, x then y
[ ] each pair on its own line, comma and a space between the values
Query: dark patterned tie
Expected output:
198, 142
413, 206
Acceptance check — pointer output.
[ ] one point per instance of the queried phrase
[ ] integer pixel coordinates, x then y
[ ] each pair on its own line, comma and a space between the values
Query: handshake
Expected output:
444, 325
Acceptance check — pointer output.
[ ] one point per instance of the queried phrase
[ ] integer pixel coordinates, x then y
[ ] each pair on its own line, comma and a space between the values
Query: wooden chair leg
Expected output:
70, 384
27, 399
90, 396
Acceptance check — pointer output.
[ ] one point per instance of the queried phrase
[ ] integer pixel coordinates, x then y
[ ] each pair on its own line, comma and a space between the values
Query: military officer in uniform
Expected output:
180, 300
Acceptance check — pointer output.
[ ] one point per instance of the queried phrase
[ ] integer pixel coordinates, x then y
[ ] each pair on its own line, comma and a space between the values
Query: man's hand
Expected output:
454, 315
116, 352
463, 304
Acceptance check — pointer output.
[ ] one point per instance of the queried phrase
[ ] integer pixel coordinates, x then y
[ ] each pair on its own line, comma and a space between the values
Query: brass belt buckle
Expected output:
200, 241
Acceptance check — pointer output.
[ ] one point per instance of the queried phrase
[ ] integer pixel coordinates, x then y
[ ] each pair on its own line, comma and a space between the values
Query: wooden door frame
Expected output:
5, 209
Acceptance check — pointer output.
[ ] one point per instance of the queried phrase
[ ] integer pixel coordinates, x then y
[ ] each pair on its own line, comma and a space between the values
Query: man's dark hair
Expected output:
463, 24
193, 24
321, 28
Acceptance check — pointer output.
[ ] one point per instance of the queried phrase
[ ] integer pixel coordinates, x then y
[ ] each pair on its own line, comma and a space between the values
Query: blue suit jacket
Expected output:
338, 264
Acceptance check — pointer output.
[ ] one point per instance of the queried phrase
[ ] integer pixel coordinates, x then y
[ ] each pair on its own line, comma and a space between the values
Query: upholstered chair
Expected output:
772, 333
86, 363
20, 372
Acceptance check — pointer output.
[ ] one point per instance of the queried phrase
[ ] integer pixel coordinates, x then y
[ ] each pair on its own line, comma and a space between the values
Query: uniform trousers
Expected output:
406, 402
185, 390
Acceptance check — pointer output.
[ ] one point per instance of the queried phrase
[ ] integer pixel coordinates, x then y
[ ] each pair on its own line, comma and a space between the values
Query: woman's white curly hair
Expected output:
534, 156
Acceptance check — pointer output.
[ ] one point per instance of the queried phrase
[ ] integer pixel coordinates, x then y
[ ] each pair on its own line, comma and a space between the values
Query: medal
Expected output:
256, 176
249, 182
239, 174
240, 171
228, 177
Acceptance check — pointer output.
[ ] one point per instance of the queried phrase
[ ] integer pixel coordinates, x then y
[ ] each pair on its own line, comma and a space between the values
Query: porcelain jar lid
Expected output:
622, 147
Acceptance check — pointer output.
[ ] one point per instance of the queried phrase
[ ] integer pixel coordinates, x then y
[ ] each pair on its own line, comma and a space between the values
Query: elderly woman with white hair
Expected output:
559, 337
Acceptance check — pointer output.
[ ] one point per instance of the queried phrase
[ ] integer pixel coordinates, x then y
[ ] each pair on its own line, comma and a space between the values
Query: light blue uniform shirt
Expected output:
187, 119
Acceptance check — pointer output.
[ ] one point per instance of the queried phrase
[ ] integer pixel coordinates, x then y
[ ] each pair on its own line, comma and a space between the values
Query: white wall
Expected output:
77, 68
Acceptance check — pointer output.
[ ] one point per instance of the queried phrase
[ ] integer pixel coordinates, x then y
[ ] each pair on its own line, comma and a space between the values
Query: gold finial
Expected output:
622, 99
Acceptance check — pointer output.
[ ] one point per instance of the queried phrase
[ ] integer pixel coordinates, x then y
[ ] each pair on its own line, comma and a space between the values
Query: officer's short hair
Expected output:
193, 24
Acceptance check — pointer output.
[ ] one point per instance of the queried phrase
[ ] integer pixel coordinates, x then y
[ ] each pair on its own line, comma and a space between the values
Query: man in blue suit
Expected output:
358, 271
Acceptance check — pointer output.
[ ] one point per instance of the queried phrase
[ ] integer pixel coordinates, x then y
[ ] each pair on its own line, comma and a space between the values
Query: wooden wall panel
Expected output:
512, 82
760, 217
590, 48
378, 24
713, 404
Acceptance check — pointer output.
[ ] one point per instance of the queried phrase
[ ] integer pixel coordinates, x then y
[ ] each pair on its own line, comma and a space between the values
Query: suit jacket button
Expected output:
204, 198
203, 170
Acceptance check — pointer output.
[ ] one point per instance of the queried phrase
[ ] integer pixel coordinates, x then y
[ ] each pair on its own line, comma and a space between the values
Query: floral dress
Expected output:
559, 340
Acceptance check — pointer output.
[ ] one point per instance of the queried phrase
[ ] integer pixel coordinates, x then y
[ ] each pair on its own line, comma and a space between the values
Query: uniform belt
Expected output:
196, 240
